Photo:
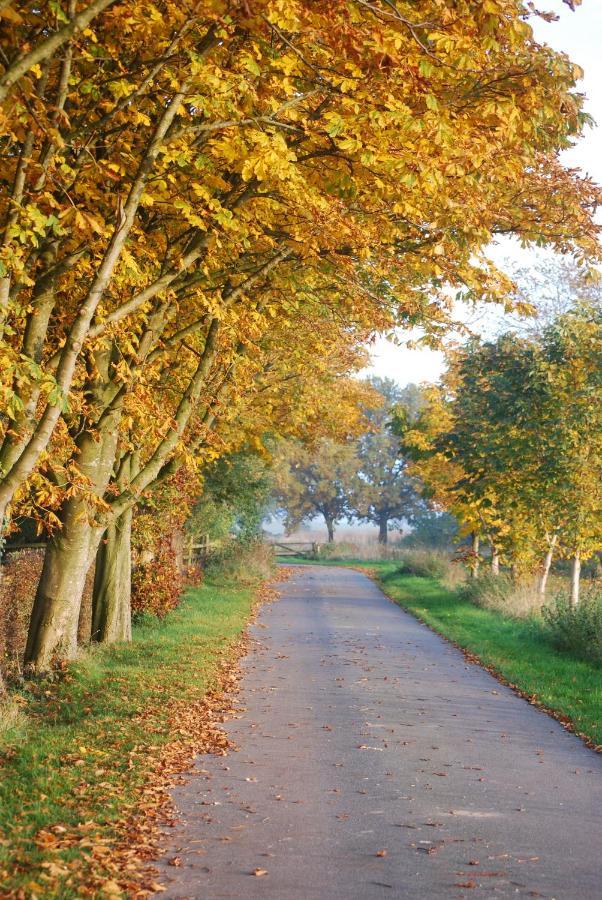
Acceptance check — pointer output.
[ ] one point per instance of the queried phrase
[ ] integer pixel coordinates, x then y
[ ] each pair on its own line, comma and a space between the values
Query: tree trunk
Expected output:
111, 609
383, 530
495, 561
547, 565
69, 555
330, 528
474, 568
55, 615
575, 579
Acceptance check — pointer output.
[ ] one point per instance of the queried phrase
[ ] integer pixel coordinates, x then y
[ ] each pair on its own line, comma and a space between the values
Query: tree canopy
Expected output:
207, 211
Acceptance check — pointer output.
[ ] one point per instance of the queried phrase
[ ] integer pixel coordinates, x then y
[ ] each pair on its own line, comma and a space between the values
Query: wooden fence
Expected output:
196, 550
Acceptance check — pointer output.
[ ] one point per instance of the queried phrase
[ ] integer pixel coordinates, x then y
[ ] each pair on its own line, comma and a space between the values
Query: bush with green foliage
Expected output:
577, 629
430, 528
235, 497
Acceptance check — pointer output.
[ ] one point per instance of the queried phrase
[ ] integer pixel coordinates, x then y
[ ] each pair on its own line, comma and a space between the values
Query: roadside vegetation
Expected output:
552, 657
85, 755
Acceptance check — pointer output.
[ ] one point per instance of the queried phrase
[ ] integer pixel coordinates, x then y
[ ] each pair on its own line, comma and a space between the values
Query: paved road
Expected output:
375, 762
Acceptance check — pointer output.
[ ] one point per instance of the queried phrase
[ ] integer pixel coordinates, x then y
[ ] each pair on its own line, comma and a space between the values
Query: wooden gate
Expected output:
310, 549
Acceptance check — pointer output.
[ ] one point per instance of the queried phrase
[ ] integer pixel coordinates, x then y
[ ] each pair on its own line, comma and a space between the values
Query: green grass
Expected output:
88, 742
517, 649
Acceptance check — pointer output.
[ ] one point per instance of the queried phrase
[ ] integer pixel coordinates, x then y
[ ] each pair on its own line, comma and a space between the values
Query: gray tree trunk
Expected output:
474, 568
547, 565
575, 579
383, 530
329, 528
55, 615
111, 604
69, 555
495, 561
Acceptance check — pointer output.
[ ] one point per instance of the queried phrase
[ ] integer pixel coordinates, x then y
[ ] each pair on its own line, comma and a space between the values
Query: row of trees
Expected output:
511, 444
206, 209
363, 479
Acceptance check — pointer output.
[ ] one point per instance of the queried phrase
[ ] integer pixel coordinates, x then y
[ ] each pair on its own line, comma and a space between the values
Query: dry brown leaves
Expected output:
198, 729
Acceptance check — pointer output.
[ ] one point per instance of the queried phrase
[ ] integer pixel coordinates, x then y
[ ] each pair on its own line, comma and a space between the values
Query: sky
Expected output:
579, 34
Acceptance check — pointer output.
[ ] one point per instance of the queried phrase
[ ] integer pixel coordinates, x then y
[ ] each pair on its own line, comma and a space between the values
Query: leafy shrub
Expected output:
431, 564
157, 584
18, 582
577, 629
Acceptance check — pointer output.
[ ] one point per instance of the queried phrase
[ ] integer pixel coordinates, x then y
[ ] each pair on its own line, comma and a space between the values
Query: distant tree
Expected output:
383, 493
431, 528
235, 496
316, 480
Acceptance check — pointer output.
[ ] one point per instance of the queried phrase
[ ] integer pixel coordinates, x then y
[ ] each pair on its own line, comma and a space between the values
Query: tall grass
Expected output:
241, 562
500, 593
437, 564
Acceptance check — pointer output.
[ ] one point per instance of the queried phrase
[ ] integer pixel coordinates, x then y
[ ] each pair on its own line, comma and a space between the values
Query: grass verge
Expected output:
516, 650
83, 773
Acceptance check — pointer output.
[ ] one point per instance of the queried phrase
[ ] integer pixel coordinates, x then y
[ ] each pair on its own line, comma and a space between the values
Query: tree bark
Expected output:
547, 565
495, 561
330, 528
383, 530
474, 568
55, 615
69, 555
111, 609
575, 579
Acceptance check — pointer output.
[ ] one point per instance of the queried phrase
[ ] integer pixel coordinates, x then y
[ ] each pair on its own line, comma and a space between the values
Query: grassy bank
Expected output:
516, 649
87, 753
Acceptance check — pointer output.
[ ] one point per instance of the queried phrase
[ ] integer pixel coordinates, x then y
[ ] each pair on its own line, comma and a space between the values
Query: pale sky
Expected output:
579, 34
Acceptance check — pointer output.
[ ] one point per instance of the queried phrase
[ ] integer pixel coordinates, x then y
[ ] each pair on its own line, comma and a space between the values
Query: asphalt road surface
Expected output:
375, 762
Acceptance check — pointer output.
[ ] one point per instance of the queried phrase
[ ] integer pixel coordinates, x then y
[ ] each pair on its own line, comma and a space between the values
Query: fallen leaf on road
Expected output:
259, 872
381, 853
175, 861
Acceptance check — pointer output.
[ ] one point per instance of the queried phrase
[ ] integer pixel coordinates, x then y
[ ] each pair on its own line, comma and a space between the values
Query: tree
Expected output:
551, 287
383, 492
431, 528
512, 443
235, 496
315, 480
130, 177
136, 448
189, 197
